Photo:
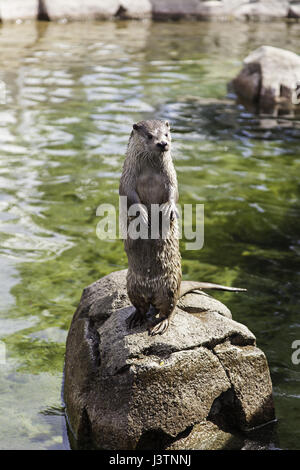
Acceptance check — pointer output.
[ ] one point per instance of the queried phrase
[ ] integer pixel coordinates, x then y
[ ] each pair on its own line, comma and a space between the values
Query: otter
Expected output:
154, 264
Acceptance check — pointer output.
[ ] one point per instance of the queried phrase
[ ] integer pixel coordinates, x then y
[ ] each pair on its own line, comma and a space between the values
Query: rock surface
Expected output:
269, 78
174, 8
13, 10
294, 11
74, 10
241, 9
80, 10
134, 9
261, 10
125, 389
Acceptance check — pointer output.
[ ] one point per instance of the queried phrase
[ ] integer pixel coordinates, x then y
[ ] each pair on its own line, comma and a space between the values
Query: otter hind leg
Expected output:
138, 317
166, 312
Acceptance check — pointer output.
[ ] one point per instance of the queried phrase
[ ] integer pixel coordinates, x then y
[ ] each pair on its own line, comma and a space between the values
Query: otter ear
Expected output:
136, 127
167, 123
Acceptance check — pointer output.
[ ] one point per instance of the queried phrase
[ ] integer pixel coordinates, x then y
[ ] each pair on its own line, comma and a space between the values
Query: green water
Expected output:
72, 94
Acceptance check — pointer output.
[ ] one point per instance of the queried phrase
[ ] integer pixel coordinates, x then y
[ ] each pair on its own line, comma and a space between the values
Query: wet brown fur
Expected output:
154, 265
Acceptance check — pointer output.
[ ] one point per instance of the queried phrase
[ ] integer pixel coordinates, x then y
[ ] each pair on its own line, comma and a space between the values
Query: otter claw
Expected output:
169, 210
160, 328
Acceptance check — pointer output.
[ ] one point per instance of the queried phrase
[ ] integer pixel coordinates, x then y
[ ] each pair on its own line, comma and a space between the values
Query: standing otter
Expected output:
154, 264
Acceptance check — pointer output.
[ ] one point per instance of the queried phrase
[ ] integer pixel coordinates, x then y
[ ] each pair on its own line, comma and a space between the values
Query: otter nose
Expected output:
163, 145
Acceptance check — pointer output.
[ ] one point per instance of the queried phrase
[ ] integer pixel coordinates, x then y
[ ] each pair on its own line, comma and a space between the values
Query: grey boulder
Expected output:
78, 10
269, 79
96, 9
14, 10
262, 10
134, 9
294, 11
124, 389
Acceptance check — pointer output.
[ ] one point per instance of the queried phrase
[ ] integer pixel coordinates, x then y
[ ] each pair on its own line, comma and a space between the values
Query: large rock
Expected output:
231, 5
13, 10
294, 11
80, 9
262, 10
96, 9
269, 78
211, 9
193, 8
134, 9
243, 9
174, 8
125, 389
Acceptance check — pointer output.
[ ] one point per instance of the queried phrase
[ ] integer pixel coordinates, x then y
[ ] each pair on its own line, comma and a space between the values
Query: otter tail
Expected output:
188, 286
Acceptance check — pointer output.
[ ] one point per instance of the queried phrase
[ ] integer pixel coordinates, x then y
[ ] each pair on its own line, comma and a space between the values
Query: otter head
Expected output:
154, 136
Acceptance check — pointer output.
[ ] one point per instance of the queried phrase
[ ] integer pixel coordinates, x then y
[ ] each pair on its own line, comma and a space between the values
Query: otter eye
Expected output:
167, 135
149, 136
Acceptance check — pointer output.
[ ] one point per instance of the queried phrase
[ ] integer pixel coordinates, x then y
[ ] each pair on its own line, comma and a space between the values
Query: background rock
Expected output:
75, 10
13, 10
294, 11
80, 10
269, 78
127, 390
174, 8
211, 9
135, 9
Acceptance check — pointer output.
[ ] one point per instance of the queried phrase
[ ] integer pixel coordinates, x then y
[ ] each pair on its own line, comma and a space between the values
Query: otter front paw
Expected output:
169, 210
140, 212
